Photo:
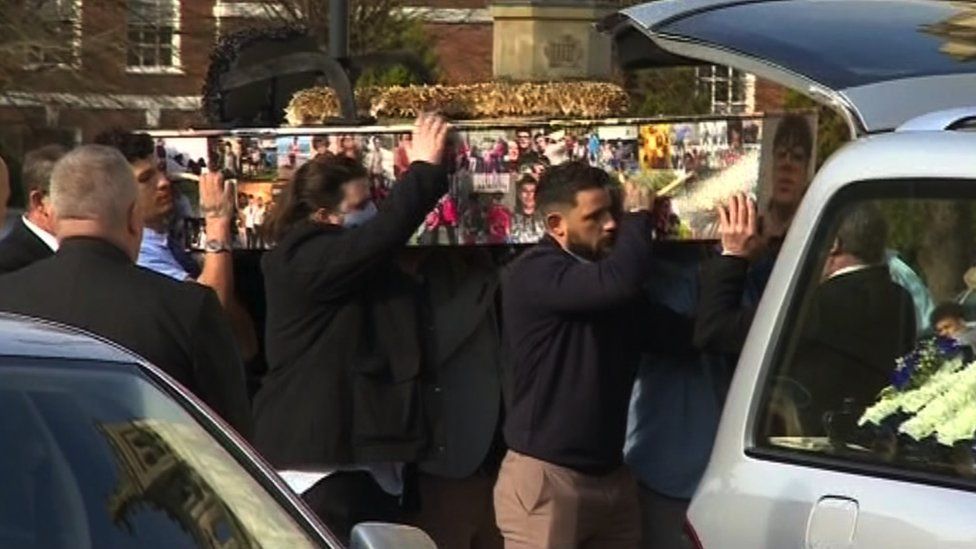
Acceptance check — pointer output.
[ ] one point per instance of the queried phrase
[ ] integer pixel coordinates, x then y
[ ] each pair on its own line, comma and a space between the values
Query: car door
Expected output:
880, 62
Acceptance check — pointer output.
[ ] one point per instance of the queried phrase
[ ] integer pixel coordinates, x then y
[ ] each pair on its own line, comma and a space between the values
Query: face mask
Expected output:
359, 217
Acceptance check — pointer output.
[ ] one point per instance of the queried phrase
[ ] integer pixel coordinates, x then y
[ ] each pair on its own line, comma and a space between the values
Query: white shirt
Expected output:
847, 270
47, 238
389, 476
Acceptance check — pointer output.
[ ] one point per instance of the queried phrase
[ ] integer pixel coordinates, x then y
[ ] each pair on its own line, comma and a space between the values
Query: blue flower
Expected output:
901, 377
947, 346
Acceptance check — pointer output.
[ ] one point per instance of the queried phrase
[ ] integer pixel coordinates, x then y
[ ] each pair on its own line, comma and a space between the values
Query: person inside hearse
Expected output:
949, 321
858, 321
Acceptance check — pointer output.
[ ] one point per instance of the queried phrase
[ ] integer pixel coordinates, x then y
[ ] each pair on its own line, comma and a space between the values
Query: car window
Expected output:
825, 41
875, 366
95, 456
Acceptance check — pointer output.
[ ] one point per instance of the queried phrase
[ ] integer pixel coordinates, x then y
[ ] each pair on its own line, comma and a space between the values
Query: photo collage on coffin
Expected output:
694, 166
249, 165
494, 173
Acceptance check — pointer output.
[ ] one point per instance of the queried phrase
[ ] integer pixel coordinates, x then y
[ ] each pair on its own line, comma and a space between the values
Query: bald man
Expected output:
92, 282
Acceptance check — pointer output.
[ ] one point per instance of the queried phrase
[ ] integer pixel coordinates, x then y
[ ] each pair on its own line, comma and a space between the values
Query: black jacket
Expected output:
574, 332
178, 326
463, 397
723, 321
21, 248
858, 323
342, 338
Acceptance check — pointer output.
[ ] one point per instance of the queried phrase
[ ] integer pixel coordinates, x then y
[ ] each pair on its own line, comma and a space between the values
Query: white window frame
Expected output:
728, 103
175, 43
74, 56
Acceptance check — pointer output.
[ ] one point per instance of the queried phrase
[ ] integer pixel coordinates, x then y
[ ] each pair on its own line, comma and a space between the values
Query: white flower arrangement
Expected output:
936, 388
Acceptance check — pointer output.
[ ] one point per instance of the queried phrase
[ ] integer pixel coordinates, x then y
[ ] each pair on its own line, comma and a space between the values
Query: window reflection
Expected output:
96, 457
878, 364
151, 474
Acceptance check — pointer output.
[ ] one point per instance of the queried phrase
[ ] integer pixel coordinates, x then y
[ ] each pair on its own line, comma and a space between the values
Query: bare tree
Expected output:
40, 45
374, 26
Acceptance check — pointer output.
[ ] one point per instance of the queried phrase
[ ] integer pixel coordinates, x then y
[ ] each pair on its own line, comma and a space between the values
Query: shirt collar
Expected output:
47, 238
848, 270
155, 236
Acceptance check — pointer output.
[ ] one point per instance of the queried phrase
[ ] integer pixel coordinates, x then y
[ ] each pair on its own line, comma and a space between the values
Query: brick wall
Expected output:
769, 96
463, 52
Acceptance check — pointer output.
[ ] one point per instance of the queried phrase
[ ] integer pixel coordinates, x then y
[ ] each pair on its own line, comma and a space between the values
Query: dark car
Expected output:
103, 450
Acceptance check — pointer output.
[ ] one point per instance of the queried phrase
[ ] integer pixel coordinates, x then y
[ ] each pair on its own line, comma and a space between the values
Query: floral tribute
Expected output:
932, 394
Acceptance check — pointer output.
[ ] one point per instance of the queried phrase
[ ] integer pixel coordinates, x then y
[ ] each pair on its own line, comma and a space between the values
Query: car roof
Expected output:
22, 336
897, 155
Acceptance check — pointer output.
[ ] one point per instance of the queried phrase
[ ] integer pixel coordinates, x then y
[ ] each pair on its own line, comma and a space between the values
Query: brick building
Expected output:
141, 63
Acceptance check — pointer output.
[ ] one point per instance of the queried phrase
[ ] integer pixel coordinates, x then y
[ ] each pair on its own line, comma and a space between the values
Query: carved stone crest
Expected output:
564, 53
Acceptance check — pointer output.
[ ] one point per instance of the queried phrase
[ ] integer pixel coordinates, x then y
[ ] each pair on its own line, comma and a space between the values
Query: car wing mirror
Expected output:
381, 535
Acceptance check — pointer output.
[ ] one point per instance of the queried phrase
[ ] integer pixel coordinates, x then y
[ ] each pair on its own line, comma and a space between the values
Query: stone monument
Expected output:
546, 40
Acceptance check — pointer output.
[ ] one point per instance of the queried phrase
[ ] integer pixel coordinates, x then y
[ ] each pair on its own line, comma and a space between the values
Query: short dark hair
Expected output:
863, 233
526, 179
560, 184
133, 145
37, 168
794, 130
947, 310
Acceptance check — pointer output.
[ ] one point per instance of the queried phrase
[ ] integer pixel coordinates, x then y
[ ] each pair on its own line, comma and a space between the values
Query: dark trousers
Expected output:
344, 499
662, 521
458, 513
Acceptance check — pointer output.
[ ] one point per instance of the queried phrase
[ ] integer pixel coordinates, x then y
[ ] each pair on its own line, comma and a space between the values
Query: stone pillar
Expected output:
543, 40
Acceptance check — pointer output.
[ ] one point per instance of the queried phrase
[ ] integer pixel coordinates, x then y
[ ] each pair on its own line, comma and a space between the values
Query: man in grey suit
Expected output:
464, 398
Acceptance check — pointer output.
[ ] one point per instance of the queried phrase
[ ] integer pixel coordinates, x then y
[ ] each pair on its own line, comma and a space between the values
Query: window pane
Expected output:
154, 23
98, 457
165, 58
867, 372
149, 58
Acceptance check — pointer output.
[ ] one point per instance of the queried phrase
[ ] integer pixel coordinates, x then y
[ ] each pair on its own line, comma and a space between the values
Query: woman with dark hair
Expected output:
342, 395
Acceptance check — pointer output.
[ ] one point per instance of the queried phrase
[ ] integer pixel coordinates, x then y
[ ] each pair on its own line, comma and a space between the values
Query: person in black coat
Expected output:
32, 236
93, 283
342, 396
858, 321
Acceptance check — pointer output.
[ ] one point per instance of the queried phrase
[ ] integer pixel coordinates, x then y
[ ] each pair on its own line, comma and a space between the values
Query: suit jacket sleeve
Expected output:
723, 321
218, 368
332, 266
576, 286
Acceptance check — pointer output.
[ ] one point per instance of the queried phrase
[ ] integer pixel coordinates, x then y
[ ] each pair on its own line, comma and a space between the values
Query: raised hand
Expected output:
429, 139
216, 201
737, 225
637, 197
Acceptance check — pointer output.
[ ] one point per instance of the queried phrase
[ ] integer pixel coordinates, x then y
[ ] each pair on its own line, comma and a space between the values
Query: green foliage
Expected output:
413, 38
832, 130
374, 26
657, 92
905, 219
